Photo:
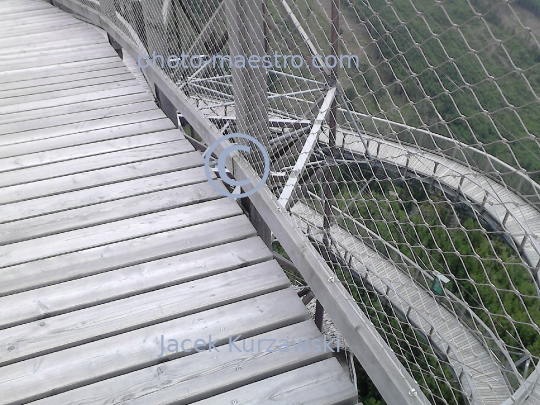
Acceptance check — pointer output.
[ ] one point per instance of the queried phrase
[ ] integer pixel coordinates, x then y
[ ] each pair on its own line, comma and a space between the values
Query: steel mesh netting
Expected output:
414, 173
94, 4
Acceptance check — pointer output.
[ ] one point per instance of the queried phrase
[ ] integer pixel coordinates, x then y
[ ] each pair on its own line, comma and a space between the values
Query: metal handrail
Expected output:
425, 273
494, 161
522, 394
454, 298
527, 232
449, 346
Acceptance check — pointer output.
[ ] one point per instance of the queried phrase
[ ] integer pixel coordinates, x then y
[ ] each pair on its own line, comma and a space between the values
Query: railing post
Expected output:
245, 24
332, 118
484, 200
522, 244
506, 215
156, 32
319, 315
461, 184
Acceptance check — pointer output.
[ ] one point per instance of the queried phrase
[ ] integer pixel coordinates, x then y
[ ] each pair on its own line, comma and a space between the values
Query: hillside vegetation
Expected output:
453, 71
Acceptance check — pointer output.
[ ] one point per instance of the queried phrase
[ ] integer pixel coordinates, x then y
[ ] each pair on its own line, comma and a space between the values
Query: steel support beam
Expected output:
156, 30
305, 36
332, 122
245, 24
307, 150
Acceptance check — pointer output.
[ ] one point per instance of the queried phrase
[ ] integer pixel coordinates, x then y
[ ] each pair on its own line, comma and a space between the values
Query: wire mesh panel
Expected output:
404, 142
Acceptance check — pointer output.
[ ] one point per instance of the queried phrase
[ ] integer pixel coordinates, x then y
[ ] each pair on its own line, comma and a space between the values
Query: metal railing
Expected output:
432, 335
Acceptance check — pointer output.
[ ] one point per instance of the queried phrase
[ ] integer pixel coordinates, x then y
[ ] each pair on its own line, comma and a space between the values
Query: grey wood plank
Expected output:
116, 231
17, 231
191, 378
66, 100
128, 281
90, 149
117, 69
63, 69
140, 348
101, 259
30, 40
34, 25
99, 177
321, 383
45, 21
10, 4
120, 316
88, 84
127, 81
100, 194
27, 16
60, 41
28, 10
92, 51
101, 114
24, 5
101, 161
64, 114
55, 57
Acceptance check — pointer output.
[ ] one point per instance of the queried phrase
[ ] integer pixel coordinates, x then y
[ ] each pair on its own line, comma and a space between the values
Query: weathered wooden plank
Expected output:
90, 149
195, 377
66, 100
100, 114
125, 282
55, 57
25, 121
92, 51
63, 69
100, 194
14, 11
94, 178
140, 348
34, 25
61, 88
101, 161
127, 81
97, 260
29, 22
44, 225
120, 316
116, 231
321, 383
23, 84
29, 17
22, 40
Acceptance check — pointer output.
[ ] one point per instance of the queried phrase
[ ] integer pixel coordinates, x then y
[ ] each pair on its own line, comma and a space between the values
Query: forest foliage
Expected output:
465, 69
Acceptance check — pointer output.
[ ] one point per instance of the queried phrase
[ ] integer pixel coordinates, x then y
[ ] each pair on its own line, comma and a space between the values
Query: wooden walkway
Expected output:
112, 241
467, 354
519, 219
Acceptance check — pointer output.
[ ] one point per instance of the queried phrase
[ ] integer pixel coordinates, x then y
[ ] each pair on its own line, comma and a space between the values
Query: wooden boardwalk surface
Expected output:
467, 353
112, 241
